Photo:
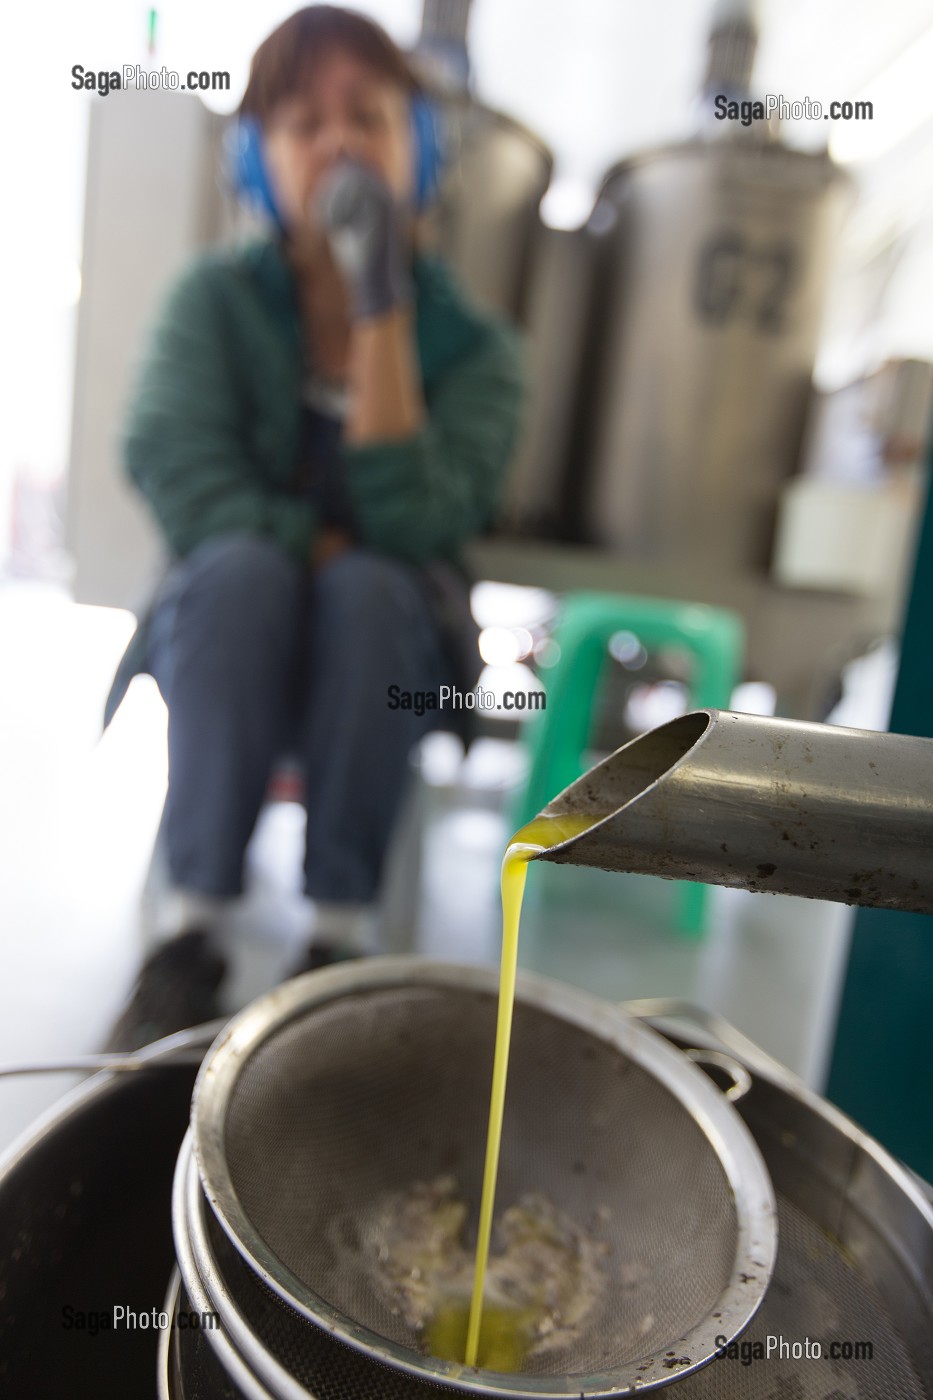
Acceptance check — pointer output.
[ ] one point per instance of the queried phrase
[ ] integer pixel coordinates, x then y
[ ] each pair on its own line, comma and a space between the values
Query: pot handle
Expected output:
741, 1079
654, 1009
173, 1050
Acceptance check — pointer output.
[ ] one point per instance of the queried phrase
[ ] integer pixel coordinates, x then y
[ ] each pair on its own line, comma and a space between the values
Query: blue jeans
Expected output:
256, 658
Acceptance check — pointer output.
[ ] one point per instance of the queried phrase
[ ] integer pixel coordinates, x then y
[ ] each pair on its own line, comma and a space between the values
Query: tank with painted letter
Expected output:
715, 267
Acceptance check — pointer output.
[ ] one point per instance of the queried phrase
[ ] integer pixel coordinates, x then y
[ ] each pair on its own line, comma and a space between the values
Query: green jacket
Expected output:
213, 430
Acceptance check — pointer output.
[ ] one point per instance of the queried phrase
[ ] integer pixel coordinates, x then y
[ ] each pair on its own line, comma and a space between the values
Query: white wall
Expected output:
151, 202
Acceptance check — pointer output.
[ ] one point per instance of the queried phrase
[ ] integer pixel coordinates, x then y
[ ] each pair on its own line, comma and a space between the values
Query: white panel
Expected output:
151, 202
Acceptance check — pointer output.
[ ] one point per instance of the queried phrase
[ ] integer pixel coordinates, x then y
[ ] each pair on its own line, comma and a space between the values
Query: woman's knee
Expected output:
241, 569
238, 595
362, 590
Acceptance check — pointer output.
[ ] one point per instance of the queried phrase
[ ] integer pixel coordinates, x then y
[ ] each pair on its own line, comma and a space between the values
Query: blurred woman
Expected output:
320, 422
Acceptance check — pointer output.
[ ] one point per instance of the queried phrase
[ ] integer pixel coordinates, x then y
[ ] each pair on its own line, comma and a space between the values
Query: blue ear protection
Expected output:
246, 168
247, 172
428, 136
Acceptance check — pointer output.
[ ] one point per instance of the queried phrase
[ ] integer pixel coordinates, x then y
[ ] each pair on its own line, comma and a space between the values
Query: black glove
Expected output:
364, 225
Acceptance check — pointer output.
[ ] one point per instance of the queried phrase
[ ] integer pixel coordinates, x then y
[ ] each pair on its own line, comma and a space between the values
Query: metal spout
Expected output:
763, 804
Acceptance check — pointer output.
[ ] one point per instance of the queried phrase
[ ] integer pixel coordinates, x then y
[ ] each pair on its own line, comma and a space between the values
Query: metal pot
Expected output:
855, 1253
84, 1225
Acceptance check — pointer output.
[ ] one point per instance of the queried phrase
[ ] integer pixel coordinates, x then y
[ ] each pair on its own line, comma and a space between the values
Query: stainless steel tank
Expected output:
495, 170
557, 318
486, 216
713, 290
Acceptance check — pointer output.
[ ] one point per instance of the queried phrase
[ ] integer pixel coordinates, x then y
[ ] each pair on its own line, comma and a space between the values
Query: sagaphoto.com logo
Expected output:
120, 1318
131, 75
775, 105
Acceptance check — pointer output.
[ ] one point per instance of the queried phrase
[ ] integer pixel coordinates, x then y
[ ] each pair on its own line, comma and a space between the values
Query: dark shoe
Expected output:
323, 954
177, 988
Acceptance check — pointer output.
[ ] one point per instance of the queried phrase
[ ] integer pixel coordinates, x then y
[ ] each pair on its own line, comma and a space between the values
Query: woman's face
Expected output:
348, 109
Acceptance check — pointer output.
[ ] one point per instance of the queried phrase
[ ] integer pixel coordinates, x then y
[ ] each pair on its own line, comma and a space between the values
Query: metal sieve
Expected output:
357, 1081
817, 1291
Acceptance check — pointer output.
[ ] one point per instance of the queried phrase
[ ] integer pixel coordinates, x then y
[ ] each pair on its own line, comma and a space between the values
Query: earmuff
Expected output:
428, 137
246, 166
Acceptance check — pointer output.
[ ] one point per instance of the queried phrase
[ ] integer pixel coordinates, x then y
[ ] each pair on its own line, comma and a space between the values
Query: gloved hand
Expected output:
364, 224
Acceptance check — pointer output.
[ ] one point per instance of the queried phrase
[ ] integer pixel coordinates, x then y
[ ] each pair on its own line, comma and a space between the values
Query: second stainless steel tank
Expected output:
715, 276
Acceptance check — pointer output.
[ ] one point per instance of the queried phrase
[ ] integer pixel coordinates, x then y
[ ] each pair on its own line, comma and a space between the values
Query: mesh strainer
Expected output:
349, 1084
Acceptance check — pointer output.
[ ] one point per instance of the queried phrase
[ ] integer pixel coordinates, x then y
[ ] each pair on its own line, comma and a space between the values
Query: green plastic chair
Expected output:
556, 737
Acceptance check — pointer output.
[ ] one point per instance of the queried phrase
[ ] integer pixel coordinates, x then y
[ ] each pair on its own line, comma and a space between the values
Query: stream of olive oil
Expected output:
539, 835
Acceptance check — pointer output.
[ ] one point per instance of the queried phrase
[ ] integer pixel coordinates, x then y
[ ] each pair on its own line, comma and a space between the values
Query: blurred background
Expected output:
731, 329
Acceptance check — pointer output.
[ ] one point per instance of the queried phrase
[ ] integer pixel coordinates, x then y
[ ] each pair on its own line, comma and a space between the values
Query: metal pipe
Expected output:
763, 804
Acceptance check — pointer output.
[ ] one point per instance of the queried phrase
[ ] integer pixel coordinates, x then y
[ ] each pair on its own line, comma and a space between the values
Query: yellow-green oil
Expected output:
499, 1340
505, 1335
